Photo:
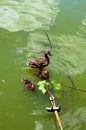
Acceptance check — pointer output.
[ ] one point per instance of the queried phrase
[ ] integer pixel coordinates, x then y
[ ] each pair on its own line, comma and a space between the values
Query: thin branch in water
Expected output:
74, 86
72, 81
78, 89
47, 38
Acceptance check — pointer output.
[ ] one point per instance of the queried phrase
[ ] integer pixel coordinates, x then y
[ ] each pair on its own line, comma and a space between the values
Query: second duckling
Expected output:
28, 84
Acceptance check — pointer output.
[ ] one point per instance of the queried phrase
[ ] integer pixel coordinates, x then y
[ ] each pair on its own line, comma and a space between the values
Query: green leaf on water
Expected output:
41, 85
54, 85
58, 86
41, 82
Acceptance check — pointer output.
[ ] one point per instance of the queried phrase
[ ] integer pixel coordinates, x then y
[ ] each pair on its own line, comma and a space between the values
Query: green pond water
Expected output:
20, 41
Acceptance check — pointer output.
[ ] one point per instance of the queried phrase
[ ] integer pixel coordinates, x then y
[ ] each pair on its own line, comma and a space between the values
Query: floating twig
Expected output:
74, 86
72, 81
78, 89
48, 39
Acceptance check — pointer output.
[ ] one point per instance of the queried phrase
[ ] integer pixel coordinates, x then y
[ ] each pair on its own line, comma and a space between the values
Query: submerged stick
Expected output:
78, 89
74, 86
47, 38
52, 100
72, 81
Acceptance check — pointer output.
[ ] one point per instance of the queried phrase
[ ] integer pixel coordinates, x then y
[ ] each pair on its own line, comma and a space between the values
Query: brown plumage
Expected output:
43, 74
28, 84
40, 62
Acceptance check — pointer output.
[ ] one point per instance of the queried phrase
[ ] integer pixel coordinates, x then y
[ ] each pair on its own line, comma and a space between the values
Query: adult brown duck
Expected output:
28, 84
40, 62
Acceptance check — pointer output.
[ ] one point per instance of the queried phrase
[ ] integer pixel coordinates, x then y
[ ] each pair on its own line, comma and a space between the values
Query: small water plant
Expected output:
55, 85
52, 85
41, 85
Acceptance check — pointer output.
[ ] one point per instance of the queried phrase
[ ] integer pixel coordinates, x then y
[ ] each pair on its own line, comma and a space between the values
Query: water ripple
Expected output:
27, 15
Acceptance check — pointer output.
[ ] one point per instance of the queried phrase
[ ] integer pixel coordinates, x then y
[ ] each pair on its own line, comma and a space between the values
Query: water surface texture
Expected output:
21, 40
23, 15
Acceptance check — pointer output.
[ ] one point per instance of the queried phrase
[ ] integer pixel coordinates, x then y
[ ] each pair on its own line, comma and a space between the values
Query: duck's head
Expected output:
47, 52
25, 81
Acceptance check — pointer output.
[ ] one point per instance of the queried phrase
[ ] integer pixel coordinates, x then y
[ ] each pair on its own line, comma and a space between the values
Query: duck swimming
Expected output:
28, 84
43, 74
42, 62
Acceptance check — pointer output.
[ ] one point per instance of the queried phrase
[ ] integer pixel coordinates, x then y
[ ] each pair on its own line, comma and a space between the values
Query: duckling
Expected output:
43, 74
40, 62
28, 84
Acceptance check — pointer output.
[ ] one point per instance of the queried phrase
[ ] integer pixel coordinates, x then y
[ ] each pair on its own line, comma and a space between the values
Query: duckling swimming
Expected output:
43, 74
28, 84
